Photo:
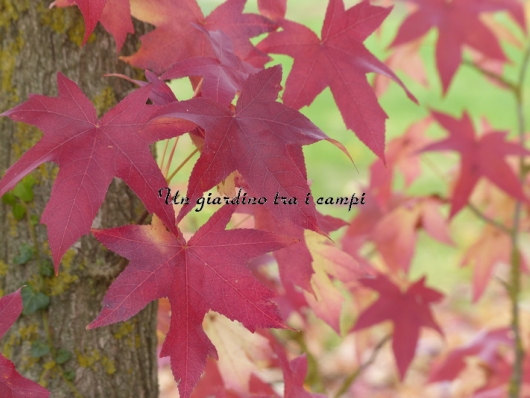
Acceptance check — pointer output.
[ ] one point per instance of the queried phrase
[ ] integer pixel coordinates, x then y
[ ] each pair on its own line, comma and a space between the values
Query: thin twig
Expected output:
488, 219
515, 274
351, 378
498, 78
168, 179
168, 165
470, 205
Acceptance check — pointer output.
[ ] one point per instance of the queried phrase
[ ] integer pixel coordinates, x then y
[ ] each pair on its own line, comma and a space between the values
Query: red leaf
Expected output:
481, 157
273, 9
261, 139
114, 15
458, 24
223, 75
485, 346
338, 60
89, 152
10, 310
206, 273
294, 374
409, 311
395, 234
12, 384
492, 247
161, 93
394, 228
176, 39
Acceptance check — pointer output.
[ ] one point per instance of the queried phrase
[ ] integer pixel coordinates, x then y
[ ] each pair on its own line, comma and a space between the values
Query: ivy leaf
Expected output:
12, 384
89, 152
26, 254
23, 189
33, 301
19, 211
63, 356
206, 273
39, 349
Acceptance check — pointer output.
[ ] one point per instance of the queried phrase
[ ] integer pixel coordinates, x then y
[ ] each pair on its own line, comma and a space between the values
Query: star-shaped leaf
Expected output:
261, 139
114, 15
485, 345
206, 273
409, 311
89, 152
458, 23
340, 61
480, 157
176, 38
224, 75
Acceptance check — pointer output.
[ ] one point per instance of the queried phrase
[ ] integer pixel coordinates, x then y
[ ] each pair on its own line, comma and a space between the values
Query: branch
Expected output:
350, 379
515, 274
498, 78
488, 219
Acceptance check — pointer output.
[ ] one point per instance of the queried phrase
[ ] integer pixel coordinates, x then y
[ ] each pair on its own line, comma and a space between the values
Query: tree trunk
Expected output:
116, 361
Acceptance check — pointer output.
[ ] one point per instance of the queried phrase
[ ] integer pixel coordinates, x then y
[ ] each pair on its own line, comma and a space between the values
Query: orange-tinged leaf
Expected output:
241, 353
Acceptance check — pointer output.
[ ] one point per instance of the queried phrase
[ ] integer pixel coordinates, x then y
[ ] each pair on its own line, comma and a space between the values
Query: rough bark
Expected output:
117, 361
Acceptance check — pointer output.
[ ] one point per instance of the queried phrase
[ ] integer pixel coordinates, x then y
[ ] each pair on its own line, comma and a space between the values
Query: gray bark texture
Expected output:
115, 361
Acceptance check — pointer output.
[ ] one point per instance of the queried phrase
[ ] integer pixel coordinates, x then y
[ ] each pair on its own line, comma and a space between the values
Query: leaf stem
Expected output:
498, 78
470, 205
168, 179
515, 271
351, 378
488, 219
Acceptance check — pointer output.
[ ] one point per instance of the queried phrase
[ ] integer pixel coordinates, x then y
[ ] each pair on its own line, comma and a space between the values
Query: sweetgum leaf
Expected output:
485, 345
458, 23
337, 60
89, 152
261, 139
206, 273
480, 157
114, 15
223, 75
409, 311
12, 384
176, 39
294, 374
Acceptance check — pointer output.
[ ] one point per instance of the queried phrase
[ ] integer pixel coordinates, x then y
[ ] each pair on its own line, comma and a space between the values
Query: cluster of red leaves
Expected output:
260, 139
